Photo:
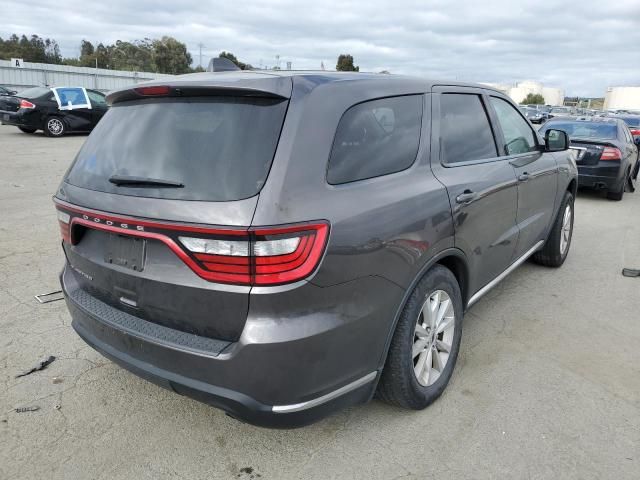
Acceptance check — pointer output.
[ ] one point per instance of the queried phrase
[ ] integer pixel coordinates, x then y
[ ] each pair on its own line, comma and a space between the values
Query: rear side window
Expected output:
96, 98
217, 148
465, 131
518, 136
376, 138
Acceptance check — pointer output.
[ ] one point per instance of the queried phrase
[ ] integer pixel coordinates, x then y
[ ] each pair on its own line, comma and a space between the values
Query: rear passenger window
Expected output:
518, 136
465, 132
376, 138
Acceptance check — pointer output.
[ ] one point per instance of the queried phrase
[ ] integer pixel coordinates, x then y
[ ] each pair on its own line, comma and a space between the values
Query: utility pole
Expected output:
200, 46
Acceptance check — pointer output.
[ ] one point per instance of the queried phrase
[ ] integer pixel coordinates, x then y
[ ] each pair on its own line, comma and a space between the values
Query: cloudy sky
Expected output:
581, 46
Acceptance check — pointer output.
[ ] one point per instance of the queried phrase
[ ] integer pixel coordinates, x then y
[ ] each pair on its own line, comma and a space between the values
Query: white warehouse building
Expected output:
622, 98
552, 96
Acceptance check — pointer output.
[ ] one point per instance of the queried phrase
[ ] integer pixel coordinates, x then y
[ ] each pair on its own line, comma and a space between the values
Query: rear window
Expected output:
218, 148
601, 131
631, 121
34, 92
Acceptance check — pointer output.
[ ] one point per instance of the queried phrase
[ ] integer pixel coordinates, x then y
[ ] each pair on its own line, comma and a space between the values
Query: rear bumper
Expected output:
608, 177
20, 119
283, 383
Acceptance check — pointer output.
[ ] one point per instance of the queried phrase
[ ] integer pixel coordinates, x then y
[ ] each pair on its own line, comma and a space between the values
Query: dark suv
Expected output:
281, 245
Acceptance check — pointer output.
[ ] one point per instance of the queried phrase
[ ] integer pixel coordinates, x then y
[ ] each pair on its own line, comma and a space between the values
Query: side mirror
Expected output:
556, 140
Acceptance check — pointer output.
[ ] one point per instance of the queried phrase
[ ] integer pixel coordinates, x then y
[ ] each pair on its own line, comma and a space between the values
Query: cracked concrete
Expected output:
547, 384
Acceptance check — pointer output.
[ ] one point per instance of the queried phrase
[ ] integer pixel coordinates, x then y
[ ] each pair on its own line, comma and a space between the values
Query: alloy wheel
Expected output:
433, 337
565, 233
55, 126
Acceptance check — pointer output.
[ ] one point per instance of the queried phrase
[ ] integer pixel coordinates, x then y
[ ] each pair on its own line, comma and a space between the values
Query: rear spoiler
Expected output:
208, 84
602, 143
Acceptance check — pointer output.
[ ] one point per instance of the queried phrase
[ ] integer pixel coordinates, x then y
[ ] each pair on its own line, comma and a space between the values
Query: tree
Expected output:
533, 99
33, 49
86, 48
171, 56
232, 57
345, 64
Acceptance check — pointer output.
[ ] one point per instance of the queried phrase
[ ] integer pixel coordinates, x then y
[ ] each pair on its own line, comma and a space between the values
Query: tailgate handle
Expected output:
466, 197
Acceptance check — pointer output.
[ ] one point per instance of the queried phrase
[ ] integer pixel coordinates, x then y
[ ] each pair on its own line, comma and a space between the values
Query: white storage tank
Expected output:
622, 98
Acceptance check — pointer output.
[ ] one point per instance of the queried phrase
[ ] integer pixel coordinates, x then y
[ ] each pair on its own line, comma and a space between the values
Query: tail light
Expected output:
264, 257
153, 90
635, 131
254, 256
26, 104
611, 153
63, 221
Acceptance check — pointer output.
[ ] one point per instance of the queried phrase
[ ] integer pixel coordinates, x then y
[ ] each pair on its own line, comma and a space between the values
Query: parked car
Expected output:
560, 112
6, 91
607, 156
281, 245
633, 122
536, 115
56, 111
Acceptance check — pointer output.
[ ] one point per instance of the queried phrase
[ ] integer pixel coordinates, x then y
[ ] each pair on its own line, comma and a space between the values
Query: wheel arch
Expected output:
454, 260
573, 187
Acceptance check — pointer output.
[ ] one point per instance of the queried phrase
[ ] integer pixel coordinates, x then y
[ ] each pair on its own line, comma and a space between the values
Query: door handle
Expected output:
466, 197
523, 177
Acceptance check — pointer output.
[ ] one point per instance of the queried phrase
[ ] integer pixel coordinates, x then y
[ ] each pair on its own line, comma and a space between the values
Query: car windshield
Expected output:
217, 148
586, 130
34, 92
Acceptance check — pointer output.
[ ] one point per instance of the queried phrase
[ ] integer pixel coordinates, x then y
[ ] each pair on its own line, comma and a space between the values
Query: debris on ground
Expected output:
57, 406
631, 272
34, 408
40, 366
57, 380
50, 297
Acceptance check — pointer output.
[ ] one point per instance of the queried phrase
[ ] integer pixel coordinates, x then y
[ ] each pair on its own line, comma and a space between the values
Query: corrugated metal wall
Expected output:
43, 74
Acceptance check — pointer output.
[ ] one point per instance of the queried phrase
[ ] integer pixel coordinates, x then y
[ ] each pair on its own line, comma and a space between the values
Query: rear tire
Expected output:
556, 248
418, 369
54, 127
27, 130
618, 194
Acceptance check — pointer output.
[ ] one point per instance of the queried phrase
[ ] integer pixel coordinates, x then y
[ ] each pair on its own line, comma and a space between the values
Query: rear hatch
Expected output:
166, 182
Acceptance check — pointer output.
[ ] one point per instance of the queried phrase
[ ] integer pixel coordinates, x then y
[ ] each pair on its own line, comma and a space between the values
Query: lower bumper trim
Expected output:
297, 407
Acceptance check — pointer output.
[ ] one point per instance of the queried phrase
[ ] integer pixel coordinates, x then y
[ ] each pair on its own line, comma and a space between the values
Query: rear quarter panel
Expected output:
388, 226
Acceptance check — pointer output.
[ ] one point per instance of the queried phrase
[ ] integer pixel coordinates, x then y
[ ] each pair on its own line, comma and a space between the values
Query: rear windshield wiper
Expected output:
128, 181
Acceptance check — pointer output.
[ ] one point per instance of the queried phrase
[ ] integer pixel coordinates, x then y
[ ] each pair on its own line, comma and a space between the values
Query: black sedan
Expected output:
56, 111
633, 122
607, 156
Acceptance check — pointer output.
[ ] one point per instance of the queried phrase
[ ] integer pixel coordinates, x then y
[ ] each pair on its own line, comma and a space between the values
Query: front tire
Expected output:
425, 344
27, 130
556, 248
54, 127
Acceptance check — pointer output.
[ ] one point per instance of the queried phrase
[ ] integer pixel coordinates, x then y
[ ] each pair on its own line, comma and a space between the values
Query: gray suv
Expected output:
281, 245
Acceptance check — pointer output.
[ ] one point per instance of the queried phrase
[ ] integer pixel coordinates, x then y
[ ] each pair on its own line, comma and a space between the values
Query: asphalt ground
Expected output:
547, 384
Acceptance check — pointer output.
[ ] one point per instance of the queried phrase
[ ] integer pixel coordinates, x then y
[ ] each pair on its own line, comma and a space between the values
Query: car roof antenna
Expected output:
221, 65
